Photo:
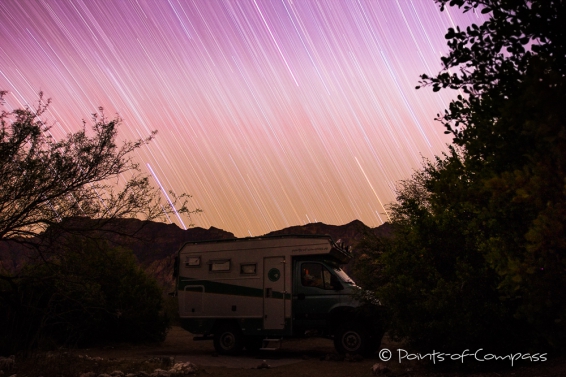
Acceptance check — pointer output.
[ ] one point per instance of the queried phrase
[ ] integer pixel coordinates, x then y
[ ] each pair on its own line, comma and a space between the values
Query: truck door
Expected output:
317, 291
274, 293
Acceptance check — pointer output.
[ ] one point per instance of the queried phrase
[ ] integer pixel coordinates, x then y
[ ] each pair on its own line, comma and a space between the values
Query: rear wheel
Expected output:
228, 339
351, 339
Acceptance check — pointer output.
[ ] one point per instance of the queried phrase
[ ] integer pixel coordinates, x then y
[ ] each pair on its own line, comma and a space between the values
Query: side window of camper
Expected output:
219, 265
316, 275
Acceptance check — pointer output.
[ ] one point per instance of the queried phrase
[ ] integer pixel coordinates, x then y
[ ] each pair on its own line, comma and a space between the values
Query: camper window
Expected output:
192, 261
219, 265
248, 269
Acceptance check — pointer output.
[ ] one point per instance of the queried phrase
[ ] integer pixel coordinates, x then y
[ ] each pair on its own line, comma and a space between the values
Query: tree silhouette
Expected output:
44, 181
480, 252
57, 198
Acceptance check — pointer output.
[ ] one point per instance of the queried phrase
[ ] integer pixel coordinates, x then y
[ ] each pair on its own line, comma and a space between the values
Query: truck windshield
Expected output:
344, 276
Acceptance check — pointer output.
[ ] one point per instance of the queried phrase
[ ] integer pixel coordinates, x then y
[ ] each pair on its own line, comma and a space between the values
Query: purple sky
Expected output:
271, 113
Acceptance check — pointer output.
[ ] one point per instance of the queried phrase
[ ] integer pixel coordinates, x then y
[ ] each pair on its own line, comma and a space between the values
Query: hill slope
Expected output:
154, 244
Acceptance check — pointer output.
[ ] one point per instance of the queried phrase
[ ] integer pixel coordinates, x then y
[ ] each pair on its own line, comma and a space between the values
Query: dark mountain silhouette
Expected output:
350, 233
13, 255
154, 244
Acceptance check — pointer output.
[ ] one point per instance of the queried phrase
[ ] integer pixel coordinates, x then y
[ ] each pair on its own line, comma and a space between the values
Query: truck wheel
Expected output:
228, 340
351, 339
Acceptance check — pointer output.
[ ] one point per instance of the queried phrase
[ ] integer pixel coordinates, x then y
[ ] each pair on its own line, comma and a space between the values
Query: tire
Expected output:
228, 340
351, 339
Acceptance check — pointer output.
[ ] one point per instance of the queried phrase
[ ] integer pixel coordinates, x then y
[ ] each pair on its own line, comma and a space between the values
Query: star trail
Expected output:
271, 113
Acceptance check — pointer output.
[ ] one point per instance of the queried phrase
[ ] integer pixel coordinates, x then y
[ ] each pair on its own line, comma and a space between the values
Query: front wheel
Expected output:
228, 340
352, 339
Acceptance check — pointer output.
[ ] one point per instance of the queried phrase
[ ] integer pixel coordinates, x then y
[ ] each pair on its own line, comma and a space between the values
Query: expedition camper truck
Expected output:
248, 292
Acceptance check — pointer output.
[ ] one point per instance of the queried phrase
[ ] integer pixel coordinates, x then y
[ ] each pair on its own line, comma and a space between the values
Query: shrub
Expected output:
87, 293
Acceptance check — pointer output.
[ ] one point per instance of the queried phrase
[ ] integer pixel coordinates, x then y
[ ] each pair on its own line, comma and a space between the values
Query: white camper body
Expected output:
245, 290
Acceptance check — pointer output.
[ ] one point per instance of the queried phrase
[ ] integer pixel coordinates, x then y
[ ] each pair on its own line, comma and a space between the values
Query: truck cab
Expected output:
319, 288
325, 304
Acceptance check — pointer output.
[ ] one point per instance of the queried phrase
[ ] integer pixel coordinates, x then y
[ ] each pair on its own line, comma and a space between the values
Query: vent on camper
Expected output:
192, 261
219, 265
248, 269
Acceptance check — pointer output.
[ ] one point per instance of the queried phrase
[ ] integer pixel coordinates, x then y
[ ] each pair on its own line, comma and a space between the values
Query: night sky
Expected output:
271, 113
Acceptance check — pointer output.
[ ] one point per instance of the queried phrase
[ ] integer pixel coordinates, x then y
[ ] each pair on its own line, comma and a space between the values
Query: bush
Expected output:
436, 277
87, 293
479, 253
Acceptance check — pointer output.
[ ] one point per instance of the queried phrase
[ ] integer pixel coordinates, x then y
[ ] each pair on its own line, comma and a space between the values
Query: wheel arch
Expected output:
223, 322
340, 314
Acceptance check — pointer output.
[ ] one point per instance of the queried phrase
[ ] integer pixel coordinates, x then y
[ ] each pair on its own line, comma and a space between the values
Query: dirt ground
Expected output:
312, 357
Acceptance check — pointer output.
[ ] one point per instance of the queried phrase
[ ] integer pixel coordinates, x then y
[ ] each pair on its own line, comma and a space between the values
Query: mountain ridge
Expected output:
154, 243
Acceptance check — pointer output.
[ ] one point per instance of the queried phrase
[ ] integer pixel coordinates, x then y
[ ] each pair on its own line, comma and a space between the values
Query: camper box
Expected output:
248, 292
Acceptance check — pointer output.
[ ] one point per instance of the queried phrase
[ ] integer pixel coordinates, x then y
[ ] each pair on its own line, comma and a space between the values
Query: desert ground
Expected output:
313, 357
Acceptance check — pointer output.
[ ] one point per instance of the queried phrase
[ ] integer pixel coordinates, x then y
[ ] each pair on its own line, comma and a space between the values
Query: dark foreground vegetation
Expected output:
478, 257
88, 294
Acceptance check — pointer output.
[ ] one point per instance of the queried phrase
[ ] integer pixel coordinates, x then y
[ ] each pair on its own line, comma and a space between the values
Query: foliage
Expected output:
88, 294
431, 274
43, 181
74, 288
479, 252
